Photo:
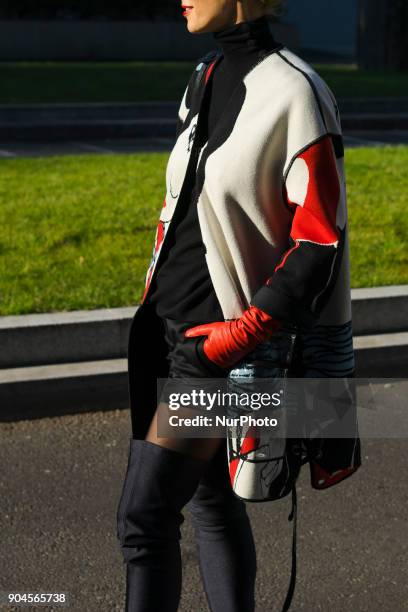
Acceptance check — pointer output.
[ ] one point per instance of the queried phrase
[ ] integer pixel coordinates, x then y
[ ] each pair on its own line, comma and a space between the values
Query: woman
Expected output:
251, 245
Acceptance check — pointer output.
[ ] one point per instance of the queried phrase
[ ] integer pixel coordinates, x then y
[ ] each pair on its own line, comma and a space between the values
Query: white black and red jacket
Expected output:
272, 203
273, 219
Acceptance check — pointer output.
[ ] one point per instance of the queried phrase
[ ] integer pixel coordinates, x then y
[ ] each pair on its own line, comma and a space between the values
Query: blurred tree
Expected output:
383, 34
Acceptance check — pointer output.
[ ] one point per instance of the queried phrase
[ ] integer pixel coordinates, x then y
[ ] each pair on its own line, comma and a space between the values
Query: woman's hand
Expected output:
228, 342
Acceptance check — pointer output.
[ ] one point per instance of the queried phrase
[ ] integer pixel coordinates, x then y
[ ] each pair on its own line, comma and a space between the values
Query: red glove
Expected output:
228, 342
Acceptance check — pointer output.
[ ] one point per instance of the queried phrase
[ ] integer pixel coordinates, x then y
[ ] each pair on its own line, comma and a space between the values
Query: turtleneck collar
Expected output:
245, 38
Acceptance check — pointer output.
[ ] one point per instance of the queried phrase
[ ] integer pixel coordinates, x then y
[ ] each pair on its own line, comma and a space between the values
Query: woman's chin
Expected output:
193, 29
196, 28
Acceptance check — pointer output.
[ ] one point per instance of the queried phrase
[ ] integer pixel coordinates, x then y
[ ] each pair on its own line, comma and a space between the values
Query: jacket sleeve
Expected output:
303, 278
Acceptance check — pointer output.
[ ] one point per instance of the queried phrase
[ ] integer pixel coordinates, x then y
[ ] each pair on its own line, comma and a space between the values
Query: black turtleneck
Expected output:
243, 46
183, 288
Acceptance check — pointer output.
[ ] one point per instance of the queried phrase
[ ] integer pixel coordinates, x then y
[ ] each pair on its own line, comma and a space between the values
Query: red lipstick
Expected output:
186, 9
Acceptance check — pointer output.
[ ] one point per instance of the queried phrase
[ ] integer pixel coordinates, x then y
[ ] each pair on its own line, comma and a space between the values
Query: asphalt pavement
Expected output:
59, 486
118, 145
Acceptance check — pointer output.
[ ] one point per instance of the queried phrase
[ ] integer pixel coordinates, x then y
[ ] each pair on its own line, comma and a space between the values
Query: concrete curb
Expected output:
92, 129
382, 355
383, 105
92, 110
374, 121
379, 310
54, 390
165, 109
65, 363
60, 122
155, 128
64, 337
91, 335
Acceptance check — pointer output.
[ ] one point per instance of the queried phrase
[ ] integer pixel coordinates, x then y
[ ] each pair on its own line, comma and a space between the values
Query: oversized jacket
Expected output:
271, 203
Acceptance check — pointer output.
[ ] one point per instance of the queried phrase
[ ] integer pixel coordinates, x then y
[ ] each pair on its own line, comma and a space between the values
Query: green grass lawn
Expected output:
93, 82
37, 82
77, 232
349, 81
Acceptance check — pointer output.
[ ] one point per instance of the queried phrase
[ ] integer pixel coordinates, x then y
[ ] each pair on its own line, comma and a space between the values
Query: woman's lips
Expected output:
186, 9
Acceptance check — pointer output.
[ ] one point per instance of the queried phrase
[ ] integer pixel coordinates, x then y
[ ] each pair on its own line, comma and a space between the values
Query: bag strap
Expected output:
201, 67
292, 517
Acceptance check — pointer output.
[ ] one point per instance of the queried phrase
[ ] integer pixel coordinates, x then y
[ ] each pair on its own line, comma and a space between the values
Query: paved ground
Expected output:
59, 486
41, 149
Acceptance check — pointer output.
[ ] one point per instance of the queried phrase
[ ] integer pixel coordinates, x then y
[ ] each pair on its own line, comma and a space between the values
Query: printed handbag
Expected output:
262, 465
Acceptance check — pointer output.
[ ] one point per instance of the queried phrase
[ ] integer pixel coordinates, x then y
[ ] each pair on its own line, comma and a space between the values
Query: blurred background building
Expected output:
374, 32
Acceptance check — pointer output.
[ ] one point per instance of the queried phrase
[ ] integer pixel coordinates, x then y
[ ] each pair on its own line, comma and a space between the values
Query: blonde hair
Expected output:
273, 7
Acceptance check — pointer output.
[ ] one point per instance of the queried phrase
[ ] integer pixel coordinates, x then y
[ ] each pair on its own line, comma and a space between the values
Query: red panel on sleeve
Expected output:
282, 263
316, 219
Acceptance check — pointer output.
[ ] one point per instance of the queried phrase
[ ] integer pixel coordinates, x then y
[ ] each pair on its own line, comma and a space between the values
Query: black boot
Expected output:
158, 484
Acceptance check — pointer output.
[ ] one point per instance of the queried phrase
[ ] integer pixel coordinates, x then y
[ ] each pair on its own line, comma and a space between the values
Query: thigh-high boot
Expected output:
225, 542
159, 482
